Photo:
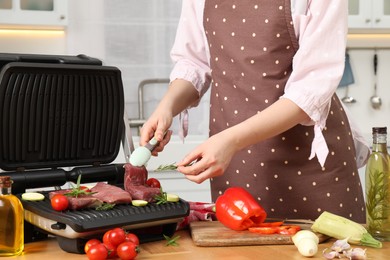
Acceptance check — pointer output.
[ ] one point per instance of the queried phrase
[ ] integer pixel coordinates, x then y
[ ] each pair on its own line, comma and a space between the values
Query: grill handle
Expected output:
36, 179
112, 173
23, 180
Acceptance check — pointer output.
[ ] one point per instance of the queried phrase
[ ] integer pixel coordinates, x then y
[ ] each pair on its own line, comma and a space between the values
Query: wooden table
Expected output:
49, 249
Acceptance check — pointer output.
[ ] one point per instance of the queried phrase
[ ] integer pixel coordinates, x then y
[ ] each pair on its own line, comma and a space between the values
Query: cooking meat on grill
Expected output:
135, 175
110, 194
102, 192
141, 192
81, 202
135, 183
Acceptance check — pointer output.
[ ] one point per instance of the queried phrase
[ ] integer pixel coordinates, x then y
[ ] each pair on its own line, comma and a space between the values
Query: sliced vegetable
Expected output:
263, 230
339, 227
288, 230
172, 197
164, 197
282, 230
238, 210
271, 224
139, 203
33, 196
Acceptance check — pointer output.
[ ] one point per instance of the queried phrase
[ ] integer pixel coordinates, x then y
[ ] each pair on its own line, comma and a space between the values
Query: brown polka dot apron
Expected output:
252, 44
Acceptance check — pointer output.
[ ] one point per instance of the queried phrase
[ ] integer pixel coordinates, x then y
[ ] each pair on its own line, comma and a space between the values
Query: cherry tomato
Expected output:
85, 188
59, 202
90, 243
153, 182
127, 250
111, 251
116, 236
97, 252
106, 239
130, 237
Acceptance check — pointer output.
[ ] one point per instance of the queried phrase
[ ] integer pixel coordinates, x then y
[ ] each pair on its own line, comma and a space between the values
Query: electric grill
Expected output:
61, 117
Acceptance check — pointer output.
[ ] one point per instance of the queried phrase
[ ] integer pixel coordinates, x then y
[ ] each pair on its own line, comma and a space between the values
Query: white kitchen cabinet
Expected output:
33, 13
367, 14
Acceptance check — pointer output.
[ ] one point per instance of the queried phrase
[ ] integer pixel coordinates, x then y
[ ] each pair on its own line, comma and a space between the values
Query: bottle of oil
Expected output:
11, 220
378, 187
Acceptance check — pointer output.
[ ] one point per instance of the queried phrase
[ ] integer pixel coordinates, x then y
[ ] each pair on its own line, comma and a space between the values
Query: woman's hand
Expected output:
157, 126
180, 95
211, 159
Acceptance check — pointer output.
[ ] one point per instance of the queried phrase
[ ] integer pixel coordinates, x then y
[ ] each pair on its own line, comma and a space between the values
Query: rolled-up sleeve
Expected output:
319, 63
189, 52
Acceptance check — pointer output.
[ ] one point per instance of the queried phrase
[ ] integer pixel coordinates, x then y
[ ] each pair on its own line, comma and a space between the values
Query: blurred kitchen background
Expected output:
136, 36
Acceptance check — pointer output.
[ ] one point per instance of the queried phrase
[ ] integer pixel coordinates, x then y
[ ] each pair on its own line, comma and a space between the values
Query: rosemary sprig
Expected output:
170, 167
161, 198
166, 167
76, 191
171, 241
105, 206
377, 202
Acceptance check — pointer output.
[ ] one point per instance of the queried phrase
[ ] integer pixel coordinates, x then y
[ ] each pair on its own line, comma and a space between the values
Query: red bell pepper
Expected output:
238, 210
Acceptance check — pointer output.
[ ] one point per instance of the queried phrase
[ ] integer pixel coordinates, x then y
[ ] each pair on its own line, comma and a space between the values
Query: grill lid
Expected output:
57, 115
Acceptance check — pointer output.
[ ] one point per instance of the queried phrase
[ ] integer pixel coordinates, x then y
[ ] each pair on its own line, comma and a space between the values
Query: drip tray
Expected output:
73, 228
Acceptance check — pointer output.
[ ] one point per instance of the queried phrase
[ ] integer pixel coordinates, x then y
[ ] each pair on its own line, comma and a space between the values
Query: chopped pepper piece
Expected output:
238, 210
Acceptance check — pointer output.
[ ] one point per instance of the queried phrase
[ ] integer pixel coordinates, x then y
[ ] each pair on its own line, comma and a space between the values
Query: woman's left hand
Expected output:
211, 159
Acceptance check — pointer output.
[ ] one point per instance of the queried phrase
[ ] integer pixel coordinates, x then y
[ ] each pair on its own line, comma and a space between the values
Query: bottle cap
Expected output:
379, 130
5, 181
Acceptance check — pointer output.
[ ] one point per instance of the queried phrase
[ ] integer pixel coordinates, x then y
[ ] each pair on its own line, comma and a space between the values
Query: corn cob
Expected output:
339, 227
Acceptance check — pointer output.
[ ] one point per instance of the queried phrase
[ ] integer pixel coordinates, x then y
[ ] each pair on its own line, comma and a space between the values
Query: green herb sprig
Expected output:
76, 191
170, 167
171, 241
161, 198
105, 206
166, 167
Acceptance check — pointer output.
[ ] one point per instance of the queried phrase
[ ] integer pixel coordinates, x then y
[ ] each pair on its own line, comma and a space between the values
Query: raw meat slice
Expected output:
110, 193
135, 175
141, 192
81, 202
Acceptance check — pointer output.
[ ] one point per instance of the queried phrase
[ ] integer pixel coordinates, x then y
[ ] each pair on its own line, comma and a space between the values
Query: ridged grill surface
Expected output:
121, 215
59, 115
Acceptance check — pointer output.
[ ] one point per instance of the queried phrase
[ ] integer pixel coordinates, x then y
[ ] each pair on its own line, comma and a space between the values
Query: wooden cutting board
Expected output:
213, 233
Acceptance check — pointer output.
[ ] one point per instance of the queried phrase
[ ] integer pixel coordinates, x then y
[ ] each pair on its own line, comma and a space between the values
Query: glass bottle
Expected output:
378, 187
11, 220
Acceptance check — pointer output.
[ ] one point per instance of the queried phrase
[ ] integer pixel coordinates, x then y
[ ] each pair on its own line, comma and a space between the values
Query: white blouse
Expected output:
321, 29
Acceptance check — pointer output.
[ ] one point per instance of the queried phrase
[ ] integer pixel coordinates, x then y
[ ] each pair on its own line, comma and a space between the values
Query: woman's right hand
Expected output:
180, 95
157, 126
